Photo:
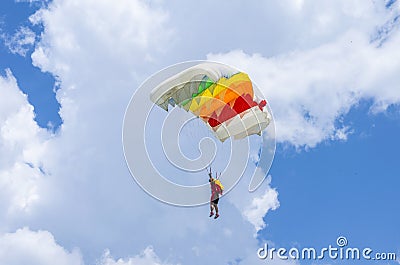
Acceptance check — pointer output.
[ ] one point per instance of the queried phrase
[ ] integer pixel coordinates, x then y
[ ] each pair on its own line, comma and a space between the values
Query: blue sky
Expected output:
36, 84
347, 188
329, 71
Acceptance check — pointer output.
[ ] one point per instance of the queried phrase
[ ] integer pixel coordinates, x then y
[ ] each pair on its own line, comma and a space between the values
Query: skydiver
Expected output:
216, 191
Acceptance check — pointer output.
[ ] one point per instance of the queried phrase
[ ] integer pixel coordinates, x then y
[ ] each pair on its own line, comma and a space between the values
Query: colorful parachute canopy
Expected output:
220, 95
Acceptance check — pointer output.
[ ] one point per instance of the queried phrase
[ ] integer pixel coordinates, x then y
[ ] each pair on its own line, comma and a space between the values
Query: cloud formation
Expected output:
261, 205
100, 51
310, 91
36, 248
147, 257
21, 42
22, 143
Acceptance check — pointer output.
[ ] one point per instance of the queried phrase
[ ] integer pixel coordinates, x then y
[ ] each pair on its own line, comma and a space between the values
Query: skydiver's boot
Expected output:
211, 214
216, 216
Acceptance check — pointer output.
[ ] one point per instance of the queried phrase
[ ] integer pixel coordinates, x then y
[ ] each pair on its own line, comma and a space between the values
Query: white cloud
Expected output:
21, 42
35, 248
22, 143
99, 58
309, 91
260, 206
112, 36
147, 257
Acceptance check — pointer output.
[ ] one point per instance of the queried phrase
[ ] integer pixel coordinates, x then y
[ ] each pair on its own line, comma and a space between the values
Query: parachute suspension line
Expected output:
191, 130
200, 135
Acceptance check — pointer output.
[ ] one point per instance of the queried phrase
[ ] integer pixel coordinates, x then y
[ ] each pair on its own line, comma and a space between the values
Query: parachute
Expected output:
221, 96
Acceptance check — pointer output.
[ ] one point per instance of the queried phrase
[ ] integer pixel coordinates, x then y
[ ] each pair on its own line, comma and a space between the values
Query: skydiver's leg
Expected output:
211, 209
216, 209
